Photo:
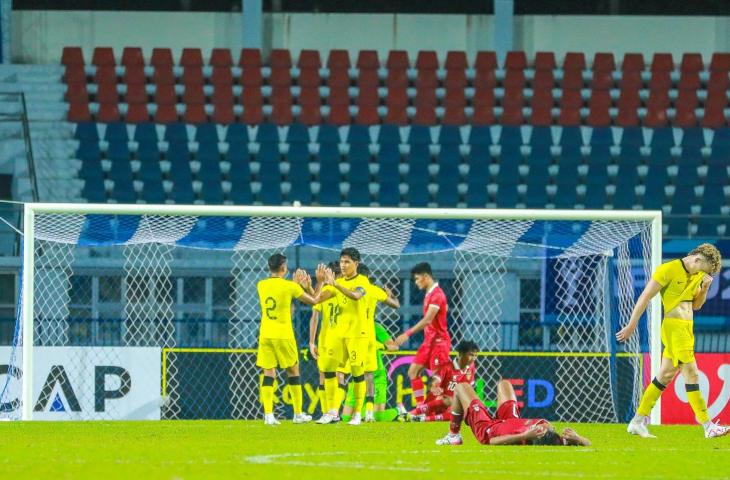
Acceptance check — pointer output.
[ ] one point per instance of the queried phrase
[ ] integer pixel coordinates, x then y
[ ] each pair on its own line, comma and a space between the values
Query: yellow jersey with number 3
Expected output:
677, 283
275, 297
353, 313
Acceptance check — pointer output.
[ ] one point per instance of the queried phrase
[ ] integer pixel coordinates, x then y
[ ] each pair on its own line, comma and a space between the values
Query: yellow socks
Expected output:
322, 399
267, 394
359, 389
649, 398
295, 390
697, 402
330, 390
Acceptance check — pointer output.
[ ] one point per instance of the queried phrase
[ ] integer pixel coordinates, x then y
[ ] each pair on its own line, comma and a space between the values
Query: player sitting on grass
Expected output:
683, 286
506, 427
380, 380
443, 382
277, 344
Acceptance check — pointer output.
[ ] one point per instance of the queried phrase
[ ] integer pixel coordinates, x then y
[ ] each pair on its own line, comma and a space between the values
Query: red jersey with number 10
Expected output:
451, 375
437, 327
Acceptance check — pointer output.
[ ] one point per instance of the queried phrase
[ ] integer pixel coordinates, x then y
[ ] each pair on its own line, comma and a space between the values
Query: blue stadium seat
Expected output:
693, 138
328, 134
713, 198
600, 155
270, 193
476, 195
687, 175
507, 196
88, 149
448, 193
176, 133
571, 137
269, 159
241, 194
595, 197
660, 155
539, 157
388, 159
683, 199
211, 192
480, 135
240, 173
691, 156
329, 194
417, 195
206, 133
662, 137
86, 131
358, 134
121, 172
298, 158
509, 162
182, 192
624, 198
149, 172
152, 192
601, 136
630, 156
94, 192
478, 170
208, 150
359, 159
566, 196
148, 149
210, 169
510, 136
677, 226
177, 151
419, 134
389, 195
118, 151
359, 195
708, 226
632, 137
449, 159
116, 132
418, 161
536, 195
329, 164
541, 137
449, 135
146, 132
91, 170
123, 192
267, 133
655, 182
389, 134
237, 133
297, 133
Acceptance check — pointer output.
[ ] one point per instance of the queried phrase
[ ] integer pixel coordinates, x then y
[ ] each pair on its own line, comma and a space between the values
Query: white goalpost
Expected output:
105, 333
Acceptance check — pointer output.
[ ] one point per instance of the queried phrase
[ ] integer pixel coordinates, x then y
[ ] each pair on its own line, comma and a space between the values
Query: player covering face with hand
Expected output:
506, 427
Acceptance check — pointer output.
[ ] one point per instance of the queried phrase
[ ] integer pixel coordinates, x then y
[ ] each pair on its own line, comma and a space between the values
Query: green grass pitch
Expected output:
247, 449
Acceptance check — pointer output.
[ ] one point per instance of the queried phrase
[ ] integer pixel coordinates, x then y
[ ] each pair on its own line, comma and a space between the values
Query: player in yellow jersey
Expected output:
327, 312
277, 344
683, 285
348, 339
375, 295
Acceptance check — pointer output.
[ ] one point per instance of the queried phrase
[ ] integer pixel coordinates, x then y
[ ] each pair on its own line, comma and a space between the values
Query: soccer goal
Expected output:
151, 311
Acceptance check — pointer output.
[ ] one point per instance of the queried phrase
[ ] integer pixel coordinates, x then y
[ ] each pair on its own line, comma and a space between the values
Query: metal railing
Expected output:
25, 125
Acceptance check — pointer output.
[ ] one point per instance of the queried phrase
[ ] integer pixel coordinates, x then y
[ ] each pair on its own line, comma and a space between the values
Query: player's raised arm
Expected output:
314, 296
356, 294
651, 289
701, 295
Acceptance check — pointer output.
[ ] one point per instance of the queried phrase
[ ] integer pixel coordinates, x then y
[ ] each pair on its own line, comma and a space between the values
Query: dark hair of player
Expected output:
335, 267
551, 437
466, 346
364, 270
276, 261
422, 268
351, 252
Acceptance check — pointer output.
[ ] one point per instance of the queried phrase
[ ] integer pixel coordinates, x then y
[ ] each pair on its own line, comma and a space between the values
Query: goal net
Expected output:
149, 312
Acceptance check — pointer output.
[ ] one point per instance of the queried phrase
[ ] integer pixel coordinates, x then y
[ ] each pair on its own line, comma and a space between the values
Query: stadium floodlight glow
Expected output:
478, 247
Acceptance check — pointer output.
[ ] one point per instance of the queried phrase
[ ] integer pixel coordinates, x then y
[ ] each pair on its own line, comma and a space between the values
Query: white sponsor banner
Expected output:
89, 383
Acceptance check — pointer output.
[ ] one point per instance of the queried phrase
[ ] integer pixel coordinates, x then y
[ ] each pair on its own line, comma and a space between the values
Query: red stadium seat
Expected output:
79, 112
691, 62
425, 115
134, 75
72, 56
107, 93
193, 94
514, 78
103, 57
223, 113
631, 80
280, 77
397, 78
252, 114
368, 60
280, 58
599, 104
309, 78
456, 60
454, 103
161, 57
74, 74
660, 80
572, 79
339, 109
132, 57
165, 95
685, 116
544, 61
633, 62
367, 115
251, 77
569, 116
368, 78
485, 79
427, 79
483, 103
714, 117
574, 61
455, 78
338, 60
222, 94
281, 102
163, 75
166, 113
76, 93
602, 80
338, 78
485, 60
137, 113
512, 104
427, 60
718, 81
309, 96
309, 59
191, 57
658, 99
310, 115
221, 58
106, 75
662, 62
541, 104
193, 76
656, 117
630, 98
689, 80
250, 58
136, 93
397, 60
603, 62
571, 99
221, 76
628, 115
720, 62
397, 98
252, 96
108, 112
195, 113
396, 116
515, 60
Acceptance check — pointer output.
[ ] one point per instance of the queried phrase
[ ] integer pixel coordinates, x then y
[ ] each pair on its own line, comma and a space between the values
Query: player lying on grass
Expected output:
277, 344
506, 427
380, 381
683, 286
443, 383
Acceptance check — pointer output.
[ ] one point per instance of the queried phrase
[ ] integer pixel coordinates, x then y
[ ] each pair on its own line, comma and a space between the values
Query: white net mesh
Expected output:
542, 299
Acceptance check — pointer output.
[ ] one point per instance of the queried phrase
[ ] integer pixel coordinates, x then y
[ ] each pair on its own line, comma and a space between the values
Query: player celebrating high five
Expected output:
434, 351
683, 285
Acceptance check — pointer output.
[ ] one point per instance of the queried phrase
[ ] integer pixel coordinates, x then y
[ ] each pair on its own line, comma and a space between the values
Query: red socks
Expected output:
417, 386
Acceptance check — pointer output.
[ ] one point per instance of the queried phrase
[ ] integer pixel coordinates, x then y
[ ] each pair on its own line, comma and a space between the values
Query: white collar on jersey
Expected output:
435, 284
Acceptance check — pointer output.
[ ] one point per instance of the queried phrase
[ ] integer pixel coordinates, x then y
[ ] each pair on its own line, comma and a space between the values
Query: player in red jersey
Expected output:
506, 427
437, 406
434, 351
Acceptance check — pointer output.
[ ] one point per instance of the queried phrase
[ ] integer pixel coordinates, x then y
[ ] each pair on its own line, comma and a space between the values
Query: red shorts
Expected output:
478, 419
507, 410
433, 354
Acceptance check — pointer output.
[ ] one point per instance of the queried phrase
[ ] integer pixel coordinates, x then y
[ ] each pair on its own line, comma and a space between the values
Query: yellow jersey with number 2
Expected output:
275, 296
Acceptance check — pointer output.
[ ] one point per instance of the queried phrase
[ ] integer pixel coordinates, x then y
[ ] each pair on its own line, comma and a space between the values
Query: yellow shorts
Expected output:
678, 340
277, 352
357, 351
321, 347
344, 369
371, 361
333, 354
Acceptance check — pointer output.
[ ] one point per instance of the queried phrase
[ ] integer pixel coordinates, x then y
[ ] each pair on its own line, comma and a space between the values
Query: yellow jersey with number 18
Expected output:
677, 283
328, 312
275, 296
